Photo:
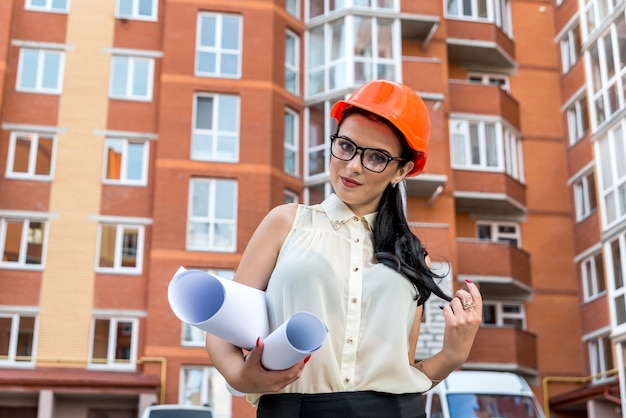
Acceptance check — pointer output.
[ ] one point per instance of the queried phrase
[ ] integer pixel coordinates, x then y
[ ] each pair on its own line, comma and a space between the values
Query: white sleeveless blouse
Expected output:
326, 266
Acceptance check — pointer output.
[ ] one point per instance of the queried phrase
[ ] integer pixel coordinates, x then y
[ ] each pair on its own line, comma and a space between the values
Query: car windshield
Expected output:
469, 405
179, 413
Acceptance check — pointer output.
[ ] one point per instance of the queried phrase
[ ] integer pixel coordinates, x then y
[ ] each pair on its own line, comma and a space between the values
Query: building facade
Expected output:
138, 136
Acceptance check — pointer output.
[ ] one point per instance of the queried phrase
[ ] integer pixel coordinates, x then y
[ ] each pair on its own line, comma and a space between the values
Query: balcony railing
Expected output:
511, 348
493, 101
481, 43
510, 276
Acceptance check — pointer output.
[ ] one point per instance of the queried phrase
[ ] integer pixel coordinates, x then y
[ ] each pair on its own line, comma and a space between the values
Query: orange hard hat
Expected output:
398, 104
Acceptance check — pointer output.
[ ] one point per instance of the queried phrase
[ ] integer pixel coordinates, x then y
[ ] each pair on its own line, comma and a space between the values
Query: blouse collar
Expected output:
339, 213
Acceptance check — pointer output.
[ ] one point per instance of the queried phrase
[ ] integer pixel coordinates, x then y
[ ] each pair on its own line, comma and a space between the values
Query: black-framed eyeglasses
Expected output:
372, 159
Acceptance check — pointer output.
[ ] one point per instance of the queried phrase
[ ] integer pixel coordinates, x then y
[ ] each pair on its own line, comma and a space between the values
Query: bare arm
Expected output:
255, 269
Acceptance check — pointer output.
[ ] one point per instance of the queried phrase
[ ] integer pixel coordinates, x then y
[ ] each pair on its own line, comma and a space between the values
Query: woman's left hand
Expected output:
463, 317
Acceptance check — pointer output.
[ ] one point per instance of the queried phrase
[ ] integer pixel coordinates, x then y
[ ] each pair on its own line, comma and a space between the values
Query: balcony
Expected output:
419, 20
493, 101
479, 44
489, 193
506, 349
509, 277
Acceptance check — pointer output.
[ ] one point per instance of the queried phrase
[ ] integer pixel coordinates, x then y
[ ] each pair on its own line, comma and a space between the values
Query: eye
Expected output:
345, 145
377, 157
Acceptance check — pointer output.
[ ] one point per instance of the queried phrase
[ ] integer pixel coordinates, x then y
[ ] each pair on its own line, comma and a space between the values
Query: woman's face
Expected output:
358, 187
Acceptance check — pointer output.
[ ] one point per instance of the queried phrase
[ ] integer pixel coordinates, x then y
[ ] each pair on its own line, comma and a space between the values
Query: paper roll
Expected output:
232, 311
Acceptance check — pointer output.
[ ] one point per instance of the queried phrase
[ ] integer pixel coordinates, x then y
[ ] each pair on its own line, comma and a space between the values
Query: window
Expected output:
194, 336
18, 339
292, 63
113, 343
592, 270
47, 5
120, 248
499, 80
615, 269
504, 314
494, 11
606, 67
40, 71
125, 161
585, 196
499, 232
577, 120
215, 135
293, 7
291, 142
131, 78
218, 45
290, 197
352, 50
593, 12
212, 215
319, 7
205, 386
570, 48
320, 127
31, 156
137, 9
476, 145
611, 159
600, 357
22, 242
513, 155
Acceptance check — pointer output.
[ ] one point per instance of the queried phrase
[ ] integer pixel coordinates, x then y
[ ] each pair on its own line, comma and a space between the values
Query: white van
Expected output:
478, 394
177, 411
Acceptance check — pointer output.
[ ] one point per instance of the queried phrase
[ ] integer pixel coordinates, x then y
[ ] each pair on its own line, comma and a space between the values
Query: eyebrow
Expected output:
354, 142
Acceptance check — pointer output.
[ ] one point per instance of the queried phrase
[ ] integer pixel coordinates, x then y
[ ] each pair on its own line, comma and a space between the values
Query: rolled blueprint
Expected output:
300, 335
232, 311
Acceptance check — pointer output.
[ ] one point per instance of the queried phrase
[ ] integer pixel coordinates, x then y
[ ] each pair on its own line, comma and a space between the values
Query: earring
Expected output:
393, 183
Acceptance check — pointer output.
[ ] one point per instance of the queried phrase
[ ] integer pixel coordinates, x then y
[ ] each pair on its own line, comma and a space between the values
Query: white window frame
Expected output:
610, 158
330, 7
210, 219
117, 267
593, 13
616, 281
491, 79
293, 8
216, 134
292, 67
598, 363
290, 197
593, 286
212, 389
499, 236
497, 12
195, 334
577, 119
130, 77
292, 147
571, 45
124, 164
47, 7
25, 218
111, 363
218, 49
42, 53
13, 359
501, 316
585, 195
134, 14
34, 138
460, 131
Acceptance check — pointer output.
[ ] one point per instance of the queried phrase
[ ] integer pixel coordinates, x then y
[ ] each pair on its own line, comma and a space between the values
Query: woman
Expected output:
353, 261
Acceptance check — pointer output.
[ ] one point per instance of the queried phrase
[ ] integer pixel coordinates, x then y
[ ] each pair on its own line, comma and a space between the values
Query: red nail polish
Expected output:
307, 358
257, 341
468, 281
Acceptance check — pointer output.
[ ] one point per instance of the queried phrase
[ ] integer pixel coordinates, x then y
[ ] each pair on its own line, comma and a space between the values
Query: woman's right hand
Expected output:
252, 377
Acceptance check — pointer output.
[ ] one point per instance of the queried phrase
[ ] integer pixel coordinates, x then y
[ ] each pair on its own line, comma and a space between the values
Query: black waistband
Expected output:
363, 404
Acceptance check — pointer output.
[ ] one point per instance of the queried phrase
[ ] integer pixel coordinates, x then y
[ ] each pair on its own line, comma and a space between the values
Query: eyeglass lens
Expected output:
372, 159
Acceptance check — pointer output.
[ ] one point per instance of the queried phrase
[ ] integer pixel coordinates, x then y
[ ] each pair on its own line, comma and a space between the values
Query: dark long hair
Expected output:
395, 245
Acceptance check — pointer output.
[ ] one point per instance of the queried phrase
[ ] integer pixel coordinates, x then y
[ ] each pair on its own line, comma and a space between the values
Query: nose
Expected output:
354, 164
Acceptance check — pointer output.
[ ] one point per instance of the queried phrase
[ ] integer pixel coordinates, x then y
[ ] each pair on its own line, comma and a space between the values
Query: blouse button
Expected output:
346, 379
349, 340
356, 240
355, 269
354, 300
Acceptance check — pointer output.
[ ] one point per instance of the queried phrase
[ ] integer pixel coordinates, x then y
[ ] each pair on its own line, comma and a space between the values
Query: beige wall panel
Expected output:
68, 281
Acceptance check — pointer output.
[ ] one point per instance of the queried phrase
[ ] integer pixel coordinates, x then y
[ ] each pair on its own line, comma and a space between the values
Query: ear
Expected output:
403, 171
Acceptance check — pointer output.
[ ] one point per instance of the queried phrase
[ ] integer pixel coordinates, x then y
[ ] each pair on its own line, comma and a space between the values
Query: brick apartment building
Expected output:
137, 136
